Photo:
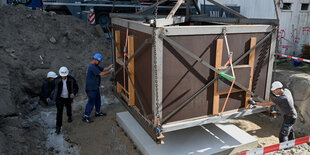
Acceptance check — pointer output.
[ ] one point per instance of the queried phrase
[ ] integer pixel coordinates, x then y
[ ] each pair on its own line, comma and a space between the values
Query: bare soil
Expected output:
103, 136
25, 35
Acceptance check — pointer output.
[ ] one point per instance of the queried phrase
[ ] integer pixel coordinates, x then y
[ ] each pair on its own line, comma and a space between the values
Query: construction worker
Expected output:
46, 89
65, 90
283, 99
93, 79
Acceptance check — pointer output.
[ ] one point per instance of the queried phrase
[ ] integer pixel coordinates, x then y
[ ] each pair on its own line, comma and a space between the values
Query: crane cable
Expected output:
232, 69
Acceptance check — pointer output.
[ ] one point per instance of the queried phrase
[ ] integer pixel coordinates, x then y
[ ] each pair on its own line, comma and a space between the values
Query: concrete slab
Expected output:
217, 138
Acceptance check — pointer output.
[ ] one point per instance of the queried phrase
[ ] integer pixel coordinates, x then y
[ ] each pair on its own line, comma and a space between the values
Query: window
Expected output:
287, 6
304, 6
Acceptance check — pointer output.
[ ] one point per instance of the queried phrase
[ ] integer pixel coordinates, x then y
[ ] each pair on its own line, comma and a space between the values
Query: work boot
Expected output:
57, 130
69, 119
86, 119
100, 114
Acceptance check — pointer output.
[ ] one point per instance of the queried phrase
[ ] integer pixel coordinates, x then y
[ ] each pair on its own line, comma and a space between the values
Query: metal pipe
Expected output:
275, 7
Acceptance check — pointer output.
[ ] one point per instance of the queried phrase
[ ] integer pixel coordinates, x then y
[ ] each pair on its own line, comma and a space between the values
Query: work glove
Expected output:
112, 69
110, 66
251, 102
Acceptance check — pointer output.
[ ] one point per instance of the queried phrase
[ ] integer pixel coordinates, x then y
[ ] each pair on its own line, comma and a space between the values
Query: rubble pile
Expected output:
32, 43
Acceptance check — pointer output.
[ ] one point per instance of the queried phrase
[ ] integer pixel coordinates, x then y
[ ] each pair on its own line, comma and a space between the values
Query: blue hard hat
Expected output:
98, 57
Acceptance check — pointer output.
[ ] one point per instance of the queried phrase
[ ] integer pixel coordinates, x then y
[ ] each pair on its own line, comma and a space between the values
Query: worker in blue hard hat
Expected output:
93, 79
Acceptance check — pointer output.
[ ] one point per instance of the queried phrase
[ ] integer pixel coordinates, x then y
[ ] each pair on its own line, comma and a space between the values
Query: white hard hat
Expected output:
276, 85
51, 75
63, 71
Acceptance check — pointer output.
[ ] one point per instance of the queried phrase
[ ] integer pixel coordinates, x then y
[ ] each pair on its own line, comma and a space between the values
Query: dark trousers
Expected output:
94, 99
60, 107
287, 132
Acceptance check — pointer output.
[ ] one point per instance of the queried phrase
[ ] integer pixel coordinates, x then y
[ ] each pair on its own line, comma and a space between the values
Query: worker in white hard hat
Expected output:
65, 90
46, 89
284, 100
93, 79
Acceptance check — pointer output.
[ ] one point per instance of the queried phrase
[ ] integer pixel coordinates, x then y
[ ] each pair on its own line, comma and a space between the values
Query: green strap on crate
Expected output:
227, 76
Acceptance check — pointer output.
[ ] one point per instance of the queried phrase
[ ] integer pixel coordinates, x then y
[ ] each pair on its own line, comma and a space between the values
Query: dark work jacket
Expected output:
71, 86
46, 90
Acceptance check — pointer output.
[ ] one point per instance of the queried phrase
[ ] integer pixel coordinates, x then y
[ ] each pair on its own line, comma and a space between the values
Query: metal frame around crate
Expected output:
158, 47
162, 21
187, 30
189, 53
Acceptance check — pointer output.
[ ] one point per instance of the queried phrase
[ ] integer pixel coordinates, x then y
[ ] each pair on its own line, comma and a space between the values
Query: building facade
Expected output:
294, 16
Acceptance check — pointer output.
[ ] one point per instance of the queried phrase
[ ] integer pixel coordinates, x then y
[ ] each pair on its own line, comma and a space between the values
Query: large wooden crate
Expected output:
164, 62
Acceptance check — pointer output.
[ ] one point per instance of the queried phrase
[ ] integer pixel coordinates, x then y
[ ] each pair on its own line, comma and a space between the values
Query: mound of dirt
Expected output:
31, 44
299, 84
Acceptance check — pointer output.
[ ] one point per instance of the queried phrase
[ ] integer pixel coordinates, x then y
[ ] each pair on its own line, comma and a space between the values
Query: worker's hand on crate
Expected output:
251, 102
110, 66
112, 69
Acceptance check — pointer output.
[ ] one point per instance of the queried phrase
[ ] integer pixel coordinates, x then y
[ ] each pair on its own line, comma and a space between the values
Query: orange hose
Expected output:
228, 62
124, 65
232, 84
125, 55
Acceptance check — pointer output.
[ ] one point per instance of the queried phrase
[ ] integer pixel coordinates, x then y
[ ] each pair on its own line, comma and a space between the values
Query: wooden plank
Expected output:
218, 64
233, 91
118, 44
174, 9
120, 61
118, 87
237, 66
124, 97
131, 70
252, 64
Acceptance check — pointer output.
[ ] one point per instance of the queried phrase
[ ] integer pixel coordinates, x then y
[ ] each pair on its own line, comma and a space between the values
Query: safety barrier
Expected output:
277, 147
295, 58
91, 17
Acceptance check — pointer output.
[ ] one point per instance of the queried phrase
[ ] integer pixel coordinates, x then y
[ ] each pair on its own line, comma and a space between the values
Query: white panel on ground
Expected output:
218, 138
